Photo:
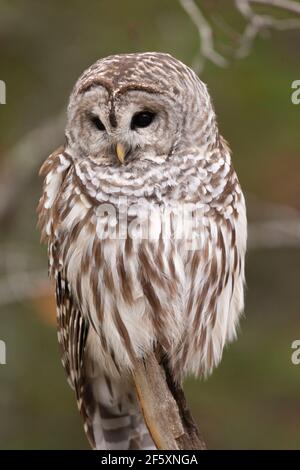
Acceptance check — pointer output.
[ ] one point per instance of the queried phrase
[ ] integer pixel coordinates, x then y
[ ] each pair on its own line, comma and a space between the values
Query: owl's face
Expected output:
136, 107
140, 125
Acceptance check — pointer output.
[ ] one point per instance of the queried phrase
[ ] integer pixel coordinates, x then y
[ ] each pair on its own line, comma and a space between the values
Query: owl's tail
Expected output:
113, 420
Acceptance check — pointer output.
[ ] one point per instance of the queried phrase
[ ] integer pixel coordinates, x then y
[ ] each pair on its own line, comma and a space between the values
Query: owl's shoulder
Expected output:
54, 171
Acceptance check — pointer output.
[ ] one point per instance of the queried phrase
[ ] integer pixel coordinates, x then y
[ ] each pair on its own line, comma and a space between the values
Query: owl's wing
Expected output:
72, 335
112, 419
72, 327
215, 271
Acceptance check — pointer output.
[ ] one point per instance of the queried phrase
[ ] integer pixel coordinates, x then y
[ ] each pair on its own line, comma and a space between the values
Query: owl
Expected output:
146, 229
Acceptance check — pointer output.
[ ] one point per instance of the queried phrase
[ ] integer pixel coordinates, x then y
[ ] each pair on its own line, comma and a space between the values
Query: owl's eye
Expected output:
142, 119
97, 123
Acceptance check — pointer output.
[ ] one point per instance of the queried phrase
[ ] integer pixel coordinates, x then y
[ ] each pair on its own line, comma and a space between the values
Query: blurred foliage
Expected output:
252, 400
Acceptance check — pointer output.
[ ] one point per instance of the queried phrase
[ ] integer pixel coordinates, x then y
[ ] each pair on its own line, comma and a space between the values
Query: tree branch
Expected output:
288, 5
258, 23
21, 163
23, 285
205, 32
164, 407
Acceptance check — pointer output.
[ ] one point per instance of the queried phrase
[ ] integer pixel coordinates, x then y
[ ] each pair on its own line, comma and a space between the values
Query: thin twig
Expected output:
288, 5
21, 163
23, 285
256, 23
207, 50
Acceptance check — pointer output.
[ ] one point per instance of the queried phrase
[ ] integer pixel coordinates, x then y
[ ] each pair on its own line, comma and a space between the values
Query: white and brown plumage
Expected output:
121, 296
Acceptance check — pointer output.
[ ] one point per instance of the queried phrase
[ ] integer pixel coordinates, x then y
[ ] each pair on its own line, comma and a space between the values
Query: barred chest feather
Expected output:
140, 283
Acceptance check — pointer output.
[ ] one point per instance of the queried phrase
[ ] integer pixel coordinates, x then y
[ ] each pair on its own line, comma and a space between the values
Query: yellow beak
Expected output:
121, 152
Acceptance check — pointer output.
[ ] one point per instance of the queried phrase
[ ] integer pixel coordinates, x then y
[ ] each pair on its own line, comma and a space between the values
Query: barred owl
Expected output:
132, 274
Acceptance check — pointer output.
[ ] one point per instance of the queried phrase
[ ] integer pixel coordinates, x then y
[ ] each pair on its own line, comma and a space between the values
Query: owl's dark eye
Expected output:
97, 123
142, 119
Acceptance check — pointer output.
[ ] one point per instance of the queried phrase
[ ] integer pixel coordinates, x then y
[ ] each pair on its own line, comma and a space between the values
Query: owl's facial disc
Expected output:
122, 128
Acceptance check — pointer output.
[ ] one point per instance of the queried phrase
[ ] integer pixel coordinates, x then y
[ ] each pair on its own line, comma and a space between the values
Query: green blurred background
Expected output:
253, 399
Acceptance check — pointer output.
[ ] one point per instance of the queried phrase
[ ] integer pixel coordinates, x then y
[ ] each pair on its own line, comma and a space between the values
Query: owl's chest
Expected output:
121, 251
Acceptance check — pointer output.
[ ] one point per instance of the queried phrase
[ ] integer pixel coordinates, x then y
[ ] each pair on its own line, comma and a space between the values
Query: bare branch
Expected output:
22, 162
258, 23
274, 234
288, 5
272, 225
207, 50
19, 286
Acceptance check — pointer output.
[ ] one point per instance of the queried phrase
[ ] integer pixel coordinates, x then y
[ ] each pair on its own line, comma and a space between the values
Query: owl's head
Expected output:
133, 107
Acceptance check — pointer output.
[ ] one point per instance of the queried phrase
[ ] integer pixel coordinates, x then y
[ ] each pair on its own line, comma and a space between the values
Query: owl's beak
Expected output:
121, 152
